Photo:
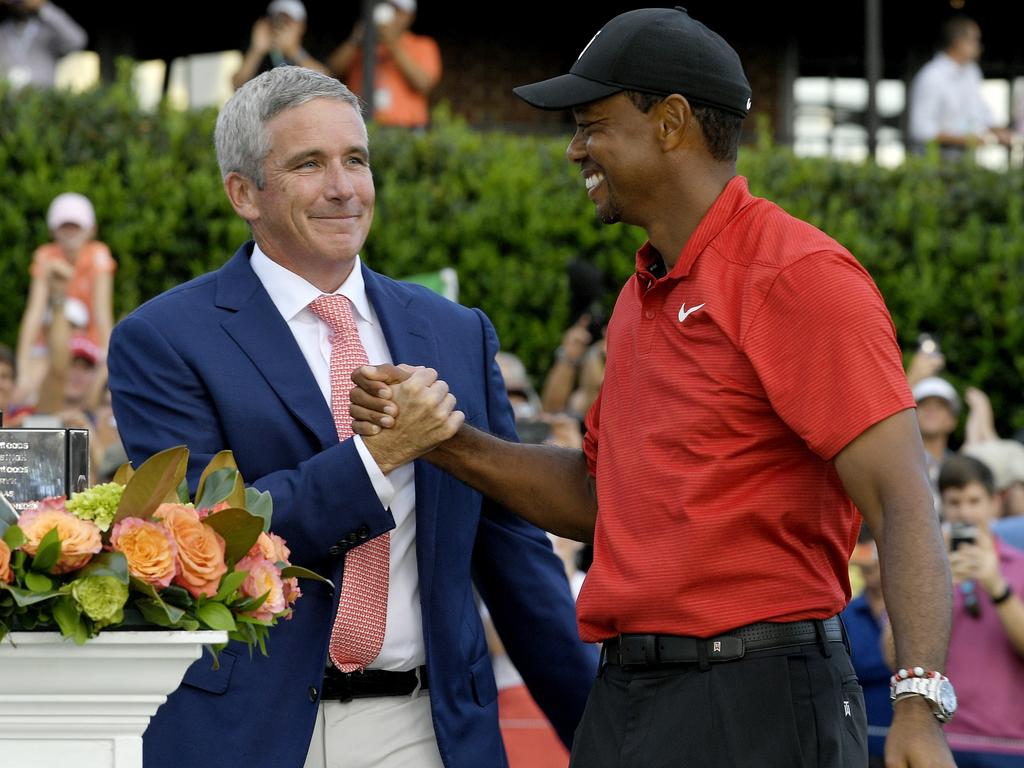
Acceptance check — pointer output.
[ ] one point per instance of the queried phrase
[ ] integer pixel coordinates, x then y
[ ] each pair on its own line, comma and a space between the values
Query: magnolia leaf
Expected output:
261, 504
107, 564
178, 596
138, 585
183, 497
304, 573
239, 530
222, 460
215, 616
229, 584
124, 474
48, 552
68, 615
150, 485
14, 537
38, 582
219, 486
25, 597
159, 612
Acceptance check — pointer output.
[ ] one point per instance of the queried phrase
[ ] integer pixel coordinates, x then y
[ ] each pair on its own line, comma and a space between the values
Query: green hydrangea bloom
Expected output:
102, 598
98, 504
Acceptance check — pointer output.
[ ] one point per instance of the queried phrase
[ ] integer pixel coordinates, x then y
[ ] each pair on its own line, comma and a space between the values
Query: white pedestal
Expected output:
86, 706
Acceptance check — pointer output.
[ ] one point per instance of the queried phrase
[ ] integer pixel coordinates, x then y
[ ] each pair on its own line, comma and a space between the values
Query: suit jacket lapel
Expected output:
258, 328
411, 339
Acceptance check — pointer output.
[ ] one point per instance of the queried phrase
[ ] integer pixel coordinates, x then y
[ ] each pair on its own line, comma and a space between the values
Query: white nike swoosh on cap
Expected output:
685, 313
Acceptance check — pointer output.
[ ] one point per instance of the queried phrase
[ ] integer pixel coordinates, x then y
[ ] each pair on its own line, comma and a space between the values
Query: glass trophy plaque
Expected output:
36, 464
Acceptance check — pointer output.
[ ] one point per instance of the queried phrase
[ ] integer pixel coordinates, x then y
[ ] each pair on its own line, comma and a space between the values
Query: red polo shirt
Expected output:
730, 385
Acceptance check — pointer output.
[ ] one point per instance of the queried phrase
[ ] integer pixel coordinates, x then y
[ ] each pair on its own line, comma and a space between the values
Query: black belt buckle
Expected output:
337, 685
725, 648
637, 650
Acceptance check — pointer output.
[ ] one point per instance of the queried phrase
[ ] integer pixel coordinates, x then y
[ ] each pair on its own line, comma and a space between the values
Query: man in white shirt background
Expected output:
946, 105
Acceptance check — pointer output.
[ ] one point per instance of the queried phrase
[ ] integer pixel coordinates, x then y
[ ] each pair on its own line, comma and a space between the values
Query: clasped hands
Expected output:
427, 408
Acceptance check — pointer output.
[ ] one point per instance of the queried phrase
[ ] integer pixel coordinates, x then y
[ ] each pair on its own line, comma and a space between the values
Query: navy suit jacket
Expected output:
213, 365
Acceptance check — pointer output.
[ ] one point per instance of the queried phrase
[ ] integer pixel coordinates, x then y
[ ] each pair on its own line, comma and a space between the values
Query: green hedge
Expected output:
944, 243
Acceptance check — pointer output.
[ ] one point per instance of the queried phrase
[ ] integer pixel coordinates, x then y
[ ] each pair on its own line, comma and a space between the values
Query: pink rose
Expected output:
149, 548
204, 512
6, 574
291, 594
79, 539
200, 549
263, 578
271, 547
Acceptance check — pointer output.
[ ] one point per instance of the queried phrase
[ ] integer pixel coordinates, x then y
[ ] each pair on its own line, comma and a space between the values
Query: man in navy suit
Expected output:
238, 359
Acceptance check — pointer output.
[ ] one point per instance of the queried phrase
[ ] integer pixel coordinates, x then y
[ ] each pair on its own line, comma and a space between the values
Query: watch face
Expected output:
947, 697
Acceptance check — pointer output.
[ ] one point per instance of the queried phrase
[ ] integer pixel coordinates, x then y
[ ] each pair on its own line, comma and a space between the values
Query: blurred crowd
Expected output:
35, 34
977, 477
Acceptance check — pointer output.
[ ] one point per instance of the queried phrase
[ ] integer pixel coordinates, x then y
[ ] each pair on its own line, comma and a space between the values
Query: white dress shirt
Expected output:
945, 97
403, 637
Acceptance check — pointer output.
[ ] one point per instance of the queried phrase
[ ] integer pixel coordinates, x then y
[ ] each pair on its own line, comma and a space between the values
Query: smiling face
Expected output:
617, 149
316, 206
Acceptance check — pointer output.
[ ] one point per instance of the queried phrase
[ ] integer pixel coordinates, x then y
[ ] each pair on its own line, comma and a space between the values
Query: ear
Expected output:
676, 123
241, 191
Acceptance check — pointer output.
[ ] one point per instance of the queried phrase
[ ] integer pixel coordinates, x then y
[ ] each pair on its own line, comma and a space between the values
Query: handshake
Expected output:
402, 412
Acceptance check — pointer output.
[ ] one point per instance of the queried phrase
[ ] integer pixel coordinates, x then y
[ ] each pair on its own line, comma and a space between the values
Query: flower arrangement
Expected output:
138, 552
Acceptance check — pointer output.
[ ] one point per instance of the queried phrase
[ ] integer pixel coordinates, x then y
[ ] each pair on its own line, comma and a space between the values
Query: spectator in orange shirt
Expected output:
74, 275
408, 66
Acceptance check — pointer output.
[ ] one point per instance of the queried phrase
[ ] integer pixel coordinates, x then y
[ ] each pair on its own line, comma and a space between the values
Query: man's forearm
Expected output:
917, 587
544, 484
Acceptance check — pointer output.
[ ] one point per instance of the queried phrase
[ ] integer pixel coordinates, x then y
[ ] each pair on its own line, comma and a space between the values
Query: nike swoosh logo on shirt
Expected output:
685, 313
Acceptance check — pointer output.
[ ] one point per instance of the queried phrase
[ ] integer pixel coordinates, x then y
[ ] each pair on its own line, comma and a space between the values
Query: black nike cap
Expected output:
652, 50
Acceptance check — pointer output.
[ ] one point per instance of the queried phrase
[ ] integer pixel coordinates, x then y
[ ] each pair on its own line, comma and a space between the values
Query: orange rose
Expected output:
263, 577
149, 549
79, 539
271, 547
6, 575
200, 549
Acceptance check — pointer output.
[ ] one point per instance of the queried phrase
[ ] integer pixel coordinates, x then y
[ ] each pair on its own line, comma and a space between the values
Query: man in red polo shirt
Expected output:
753, 395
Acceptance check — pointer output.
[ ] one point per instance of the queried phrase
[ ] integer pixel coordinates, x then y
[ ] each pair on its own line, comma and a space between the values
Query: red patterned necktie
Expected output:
363, 607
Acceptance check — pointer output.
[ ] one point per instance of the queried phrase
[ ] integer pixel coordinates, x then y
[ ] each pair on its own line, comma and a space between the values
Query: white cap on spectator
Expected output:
293, 8
933, 386
409, 6
1004, 457
70, 208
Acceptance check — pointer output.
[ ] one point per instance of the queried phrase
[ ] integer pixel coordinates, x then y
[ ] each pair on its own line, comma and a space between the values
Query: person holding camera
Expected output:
407, 69
986, 646
34, 34
276, 41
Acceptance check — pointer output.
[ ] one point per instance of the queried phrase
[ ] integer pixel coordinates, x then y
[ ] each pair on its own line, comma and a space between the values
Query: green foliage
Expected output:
944, 243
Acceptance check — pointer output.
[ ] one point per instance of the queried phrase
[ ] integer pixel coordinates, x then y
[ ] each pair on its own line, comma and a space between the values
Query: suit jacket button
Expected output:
313, 693
334, 550
352, 538
363, 532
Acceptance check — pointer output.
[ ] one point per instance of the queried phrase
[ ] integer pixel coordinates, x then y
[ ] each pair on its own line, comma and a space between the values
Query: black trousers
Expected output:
784, 708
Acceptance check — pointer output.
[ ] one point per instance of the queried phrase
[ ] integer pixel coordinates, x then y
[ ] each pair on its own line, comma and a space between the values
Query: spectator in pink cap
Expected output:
72, 275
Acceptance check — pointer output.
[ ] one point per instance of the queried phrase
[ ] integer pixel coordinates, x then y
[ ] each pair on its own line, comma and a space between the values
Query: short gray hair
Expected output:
241, 136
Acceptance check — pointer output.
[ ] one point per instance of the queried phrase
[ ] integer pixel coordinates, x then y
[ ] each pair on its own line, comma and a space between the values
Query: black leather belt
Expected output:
370, 683
651, 650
